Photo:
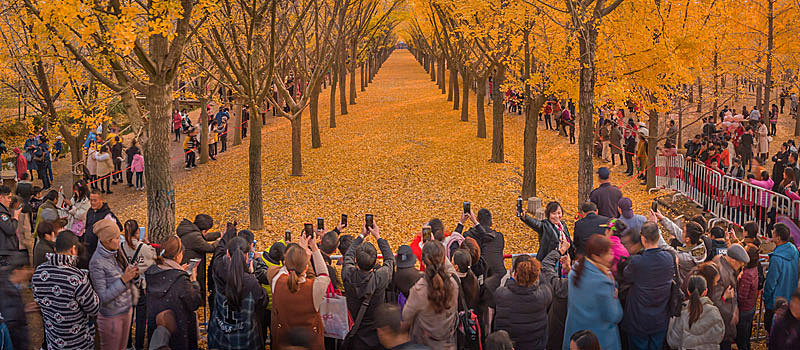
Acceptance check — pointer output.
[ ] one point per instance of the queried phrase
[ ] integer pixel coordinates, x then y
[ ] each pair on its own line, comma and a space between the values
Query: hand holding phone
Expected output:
654, 206
308, 230
287, 236
467, 207
344, 220
320, 224
369, 221
519, 207
141, 233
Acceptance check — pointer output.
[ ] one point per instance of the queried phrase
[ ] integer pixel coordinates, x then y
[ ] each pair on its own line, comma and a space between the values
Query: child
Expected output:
212, 141
189, 146
137, 166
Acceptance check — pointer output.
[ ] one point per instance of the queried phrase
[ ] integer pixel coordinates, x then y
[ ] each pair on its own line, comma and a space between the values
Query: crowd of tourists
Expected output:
620, 280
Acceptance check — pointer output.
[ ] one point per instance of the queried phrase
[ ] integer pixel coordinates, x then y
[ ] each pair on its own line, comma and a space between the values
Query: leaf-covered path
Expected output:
401, 154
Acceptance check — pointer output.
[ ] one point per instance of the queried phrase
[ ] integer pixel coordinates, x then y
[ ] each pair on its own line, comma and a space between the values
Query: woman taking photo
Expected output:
551, 231
700, 325
171, 287
297, 293
145, 257
432, 307
592, 301
475, 295
79, 206
522, 305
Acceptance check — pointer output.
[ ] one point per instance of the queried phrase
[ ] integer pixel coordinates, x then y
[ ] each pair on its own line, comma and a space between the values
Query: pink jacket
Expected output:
137, 164
765, 196
619, 251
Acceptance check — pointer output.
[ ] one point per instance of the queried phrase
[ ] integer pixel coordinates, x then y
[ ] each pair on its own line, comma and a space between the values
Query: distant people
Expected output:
390, 331
105, 165
9, 243
781, 279
551, 231
700, 325
137, 166
129, 153
57, 283
606, 196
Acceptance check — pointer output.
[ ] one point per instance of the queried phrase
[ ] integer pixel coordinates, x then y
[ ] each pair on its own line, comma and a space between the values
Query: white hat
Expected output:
644, 132
642, 124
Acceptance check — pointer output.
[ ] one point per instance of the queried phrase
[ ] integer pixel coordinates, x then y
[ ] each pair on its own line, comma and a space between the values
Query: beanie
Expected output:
106, 229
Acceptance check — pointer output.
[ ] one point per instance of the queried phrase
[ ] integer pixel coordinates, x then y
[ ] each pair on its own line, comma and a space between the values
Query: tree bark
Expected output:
497, 116
450, 82
465, 84
364, 76
480, 106
759, 94
454, 77
699, 96
256, 207
770, 48
297, 160
442, 83
587, 41
237, 123
332, 109
203, 130
342, 81
353, 65
160, 191
530, 145
314, 112
652, 143
433, 68
715, 98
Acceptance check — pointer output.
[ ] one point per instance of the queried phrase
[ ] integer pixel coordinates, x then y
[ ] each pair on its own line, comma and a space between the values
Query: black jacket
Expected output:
557, 316
586, 227
492, 244
522, 312
197, 246
404, 279
13, 311
89, 238
170, 289
8, 233
549, 237
358, 282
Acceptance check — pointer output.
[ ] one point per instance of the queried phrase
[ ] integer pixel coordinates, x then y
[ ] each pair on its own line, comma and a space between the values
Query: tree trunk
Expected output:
297, 160
442, 83
680, 123
237, 123
652, 143
530, 145
715, 103
254, 161
160, 191
342, 87
497, 116
759, 93
450, 82
587, 42
364, 76
699, 95
454, 77
480, 106
332, 109
433, 69
314, 111
203, 130
770, 48
353, 65
465, 84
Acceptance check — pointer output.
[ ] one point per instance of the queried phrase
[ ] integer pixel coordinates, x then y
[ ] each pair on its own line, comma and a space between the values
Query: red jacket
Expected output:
21, 164
748, 288
416, 248
176, 121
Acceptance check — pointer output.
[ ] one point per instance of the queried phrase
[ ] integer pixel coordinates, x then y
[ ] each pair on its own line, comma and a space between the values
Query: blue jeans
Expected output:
647, 342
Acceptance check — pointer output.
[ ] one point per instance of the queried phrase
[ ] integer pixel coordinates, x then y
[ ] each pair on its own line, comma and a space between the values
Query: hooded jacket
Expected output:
782, 274
522, 312
492, 244
197, 246
92, 217
169, 288
705, 334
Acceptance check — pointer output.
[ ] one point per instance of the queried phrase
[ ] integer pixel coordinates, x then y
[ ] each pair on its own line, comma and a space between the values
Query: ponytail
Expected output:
697, 286
131, 229
597, 245
296, 262
461, 260
169, 250
237, 249
439, 292
578, 269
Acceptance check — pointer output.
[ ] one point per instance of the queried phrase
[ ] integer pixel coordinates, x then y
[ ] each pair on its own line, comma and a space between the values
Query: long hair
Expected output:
131, 228
296, 263
461, 261
585, 340
697, 285
81, 191
597, 245
788, 177
237, 249
499, 340
439, 291
170, 249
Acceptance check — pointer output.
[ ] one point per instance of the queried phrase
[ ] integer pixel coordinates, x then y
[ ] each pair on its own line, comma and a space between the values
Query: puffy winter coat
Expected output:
782, 274
705, 334
169, 288
522, 312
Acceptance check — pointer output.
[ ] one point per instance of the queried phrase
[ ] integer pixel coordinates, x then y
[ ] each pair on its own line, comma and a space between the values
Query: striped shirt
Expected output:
68, 302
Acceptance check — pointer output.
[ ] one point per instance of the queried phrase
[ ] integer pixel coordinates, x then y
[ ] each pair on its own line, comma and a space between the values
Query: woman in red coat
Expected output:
21, 164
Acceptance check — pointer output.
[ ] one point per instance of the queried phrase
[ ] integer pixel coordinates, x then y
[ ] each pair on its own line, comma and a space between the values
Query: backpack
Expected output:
468, 329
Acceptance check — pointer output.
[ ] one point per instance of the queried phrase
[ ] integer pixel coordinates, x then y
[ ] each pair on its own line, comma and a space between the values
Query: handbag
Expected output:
333, 311
675, 294
468, 329
348, 339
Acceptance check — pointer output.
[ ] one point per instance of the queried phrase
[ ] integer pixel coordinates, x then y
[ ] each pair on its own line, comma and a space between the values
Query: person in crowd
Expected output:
190, 147
606, 196
9, 242
237, 295
390, 331
700, 325
47, 209
176, 124
137, 166
747, 287
553, 274
99, 211
614, 230
432, 306
79, 207
112, 277
344, 244
631, 220
630, 149
646, 307
269, 259
785, 330
763, 140
46, 244
31, 144
736, 170
363, 285
491, 243
41, 156
592, 302
605, 138
719, 242
129, 153
437, 233
724, 293
105, 165
522, 304
782, 274
587, 226
145, 256
406, 275
616, 144
473, 296
14, 276
551, 231
222, 131
781, 159
91, 167
690, 243
327, 246
213, 140
171, 287
20, 163
641, 152
298, 293
197, 242
58, 281
116, 155
584, 340
499, 340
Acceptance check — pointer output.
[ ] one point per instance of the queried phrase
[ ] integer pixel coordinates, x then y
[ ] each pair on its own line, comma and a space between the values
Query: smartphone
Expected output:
369, 220
426, 232
344, 220
141, 233
287, 236
192, 265
321, 224
654, 206
467, 207
519, 206
308, 230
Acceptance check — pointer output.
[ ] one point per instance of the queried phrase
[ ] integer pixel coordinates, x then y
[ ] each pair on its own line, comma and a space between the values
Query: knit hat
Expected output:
106, 229
626, 206
405, 257
17, 150
737, 252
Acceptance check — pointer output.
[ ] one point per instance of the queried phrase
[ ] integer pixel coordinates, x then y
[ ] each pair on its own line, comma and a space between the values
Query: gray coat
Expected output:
106, 275
705, 334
